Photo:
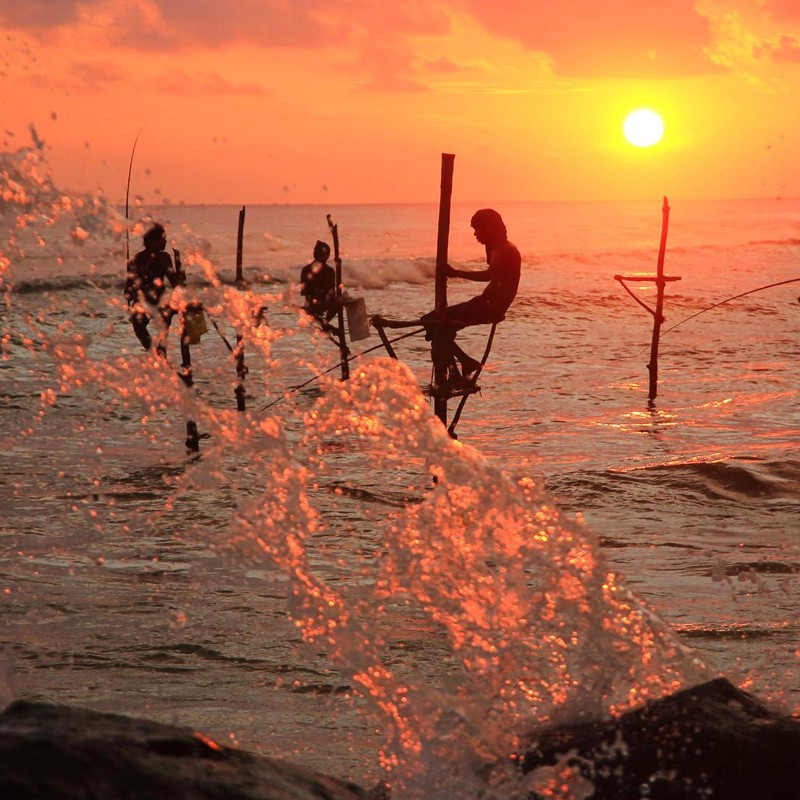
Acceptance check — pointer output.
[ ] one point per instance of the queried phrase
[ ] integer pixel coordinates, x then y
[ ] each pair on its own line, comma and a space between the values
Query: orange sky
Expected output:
313, 101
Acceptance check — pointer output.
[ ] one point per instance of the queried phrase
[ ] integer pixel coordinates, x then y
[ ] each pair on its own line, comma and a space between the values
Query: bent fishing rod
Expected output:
293, 389
128, 194
729, 299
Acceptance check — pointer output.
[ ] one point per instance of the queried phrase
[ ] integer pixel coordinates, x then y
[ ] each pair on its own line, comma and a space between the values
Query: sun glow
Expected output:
643, 127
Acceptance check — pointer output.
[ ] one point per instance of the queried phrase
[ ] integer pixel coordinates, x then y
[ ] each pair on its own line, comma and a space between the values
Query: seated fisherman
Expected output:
502, 280
318, 285
145, 285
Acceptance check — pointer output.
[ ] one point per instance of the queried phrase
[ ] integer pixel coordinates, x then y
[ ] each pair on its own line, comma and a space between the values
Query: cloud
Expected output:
286, 23
782, 10
615, 38
207, 84
387, 68
180, 24
36, 15
96, 74
443, 66
784, 49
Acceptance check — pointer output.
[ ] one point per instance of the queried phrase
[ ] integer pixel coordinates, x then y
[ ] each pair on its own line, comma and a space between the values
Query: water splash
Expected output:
476, 612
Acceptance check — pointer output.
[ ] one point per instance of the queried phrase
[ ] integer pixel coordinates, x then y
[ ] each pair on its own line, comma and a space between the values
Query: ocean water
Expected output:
303, 586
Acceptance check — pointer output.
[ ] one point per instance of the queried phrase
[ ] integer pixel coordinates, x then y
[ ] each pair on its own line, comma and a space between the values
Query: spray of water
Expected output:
466, 612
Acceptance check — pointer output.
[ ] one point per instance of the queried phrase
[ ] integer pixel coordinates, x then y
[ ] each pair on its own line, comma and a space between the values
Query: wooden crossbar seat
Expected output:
642, 278
447, 392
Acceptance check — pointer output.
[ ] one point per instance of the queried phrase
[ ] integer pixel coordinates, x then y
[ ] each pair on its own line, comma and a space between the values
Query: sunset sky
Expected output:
313, 101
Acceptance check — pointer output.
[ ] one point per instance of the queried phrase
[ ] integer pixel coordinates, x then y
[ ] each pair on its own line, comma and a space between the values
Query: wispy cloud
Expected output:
615, 38
783, 49
208, 84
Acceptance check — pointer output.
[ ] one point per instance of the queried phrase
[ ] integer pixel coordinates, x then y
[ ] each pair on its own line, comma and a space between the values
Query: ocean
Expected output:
332, 579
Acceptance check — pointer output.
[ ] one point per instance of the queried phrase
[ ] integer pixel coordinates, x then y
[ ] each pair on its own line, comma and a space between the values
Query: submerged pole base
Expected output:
192, 437
239, 393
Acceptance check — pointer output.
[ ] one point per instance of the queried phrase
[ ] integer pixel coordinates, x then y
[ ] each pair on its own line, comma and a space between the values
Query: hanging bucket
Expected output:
357, 319
194, 323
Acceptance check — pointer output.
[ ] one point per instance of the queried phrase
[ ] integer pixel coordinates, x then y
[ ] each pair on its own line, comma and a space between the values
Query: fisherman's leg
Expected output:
139, 322
463, 315
469, 365
442, 355
165, 314
328, 327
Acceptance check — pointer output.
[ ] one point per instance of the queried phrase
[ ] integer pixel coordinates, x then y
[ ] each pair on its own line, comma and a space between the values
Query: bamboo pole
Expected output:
660, 280
341, 336
440, 298
241, 373
240, 248
192, 436
658, 316
238, 353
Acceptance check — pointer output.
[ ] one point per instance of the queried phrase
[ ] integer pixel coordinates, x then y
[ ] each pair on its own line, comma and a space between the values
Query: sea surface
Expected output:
332, 579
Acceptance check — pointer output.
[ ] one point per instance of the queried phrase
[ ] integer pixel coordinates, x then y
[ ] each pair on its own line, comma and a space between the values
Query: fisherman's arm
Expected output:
167, 269
176, 274
469, 275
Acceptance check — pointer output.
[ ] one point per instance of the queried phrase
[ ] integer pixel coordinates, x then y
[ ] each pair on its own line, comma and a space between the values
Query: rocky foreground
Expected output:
712, 741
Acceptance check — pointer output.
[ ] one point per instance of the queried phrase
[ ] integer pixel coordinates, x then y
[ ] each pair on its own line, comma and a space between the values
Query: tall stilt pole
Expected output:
342, 337
440, 304
240, 248
241, 369
192, 436
658, 316
660, 280
241, 373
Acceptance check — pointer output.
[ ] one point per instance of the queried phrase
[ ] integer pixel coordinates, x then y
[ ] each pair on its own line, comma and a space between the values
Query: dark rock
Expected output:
712, 741
53, 752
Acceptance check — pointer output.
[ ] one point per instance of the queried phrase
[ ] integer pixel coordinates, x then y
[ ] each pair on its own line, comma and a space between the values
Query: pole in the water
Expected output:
241, 369
241, 373
660, 280
239, 247
658, 317
341, 336
192, 435
440, 298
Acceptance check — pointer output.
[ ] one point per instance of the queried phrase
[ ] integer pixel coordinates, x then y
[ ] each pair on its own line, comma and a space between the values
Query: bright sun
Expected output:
643, 127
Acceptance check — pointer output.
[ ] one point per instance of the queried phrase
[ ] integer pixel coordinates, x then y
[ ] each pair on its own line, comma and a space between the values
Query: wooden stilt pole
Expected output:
440, 304
658, 316
660, 280
341, 336
240, 248
192, 436
238, 353
241, 373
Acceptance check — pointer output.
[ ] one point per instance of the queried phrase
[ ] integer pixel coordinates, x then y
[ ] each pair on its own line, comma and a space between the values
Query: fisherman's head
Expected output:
322, 251
155, 238
488, 226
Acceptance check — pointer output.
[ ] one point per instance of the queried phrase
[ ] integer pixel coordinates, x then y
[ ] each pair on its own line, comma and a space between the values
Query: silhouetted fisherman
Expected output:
502, 279
318, 286
147, 274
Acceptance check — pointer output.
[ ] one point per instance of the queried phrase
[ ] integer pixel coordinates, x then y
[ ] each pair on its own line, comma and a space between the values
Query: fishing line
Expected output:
293, 389
728, 300
128, 194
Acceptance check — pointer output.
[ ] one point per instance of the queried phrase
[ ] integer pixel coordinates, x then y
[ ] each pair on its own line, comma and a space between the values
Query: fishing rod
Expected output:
728, 300
128, 194
336, 366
